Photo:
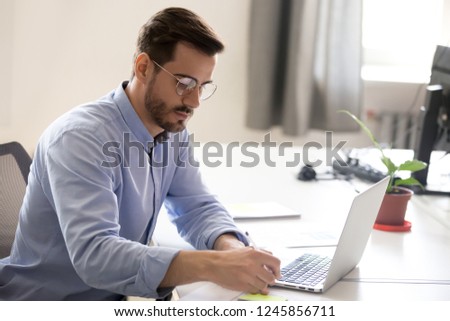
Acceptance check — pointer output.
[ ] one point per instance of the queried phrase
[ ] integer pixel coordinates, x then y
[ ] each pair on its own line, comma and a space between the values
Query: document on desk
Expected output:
260, 210
207, 291
291, 234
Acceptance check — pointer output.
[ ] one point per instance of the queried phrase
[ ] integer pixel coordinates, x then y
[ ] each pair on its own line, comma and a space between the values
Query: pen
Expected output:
250, 240
252, 243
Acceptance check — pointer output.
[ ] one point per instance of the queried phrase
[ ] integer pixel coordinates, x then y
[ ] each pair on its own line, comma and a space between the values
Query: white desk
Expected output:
395, 266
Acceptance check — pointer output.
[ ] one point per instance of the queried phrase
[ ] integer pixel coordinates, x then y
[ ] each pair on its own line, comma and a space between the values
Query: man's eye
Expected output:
187, 83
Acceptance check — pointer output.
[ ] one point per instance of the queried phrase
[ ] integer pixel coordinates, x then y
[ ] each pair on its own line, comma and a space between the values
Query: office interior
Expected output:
59, 54
56, 55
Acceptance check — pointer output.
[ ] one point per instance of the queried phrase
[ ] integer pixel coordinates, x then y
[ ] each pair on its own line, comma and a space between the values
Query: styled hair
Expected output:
160, 34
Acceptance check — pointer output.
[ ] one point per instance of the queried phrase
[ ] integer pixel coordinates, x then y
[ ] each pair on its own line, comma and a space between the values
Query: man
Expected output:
101, 173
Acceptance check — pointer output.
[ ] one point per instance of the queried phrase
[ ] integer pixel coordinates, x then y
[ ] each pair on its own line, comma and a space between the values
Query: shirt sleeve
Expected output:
199, 216
82, 193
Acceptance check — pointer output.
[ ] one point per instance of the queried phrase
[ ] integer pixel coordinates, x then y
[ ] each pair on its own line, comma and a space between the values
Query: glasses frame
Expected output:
189, 87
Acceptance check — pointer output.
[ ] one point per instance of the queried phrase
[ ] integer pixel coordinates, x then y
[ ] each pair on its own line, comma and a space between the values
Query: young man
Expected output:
101, 173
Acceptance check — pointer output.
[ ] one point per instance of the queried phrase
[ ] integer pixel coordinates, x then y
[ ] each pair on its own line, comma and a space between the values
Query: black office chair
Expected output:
14, 168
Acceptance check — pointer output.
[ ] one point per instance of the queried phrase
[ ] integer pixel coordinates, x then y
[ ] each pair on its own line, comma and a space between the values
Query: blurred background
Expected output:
56, 54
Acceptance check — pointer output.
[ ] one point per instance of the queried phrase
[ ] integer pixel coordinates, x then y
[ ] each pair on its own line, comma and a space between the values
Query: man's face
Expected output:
166, 109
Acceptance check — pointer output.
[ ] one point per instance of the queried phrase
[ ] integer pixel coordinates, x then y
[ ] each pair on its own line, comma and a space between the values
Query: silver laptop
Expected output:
316, 273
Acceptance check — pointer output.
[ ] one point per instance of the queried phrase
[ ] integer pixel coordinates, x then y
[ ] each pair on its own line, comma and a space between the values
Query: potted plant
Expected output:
393, 208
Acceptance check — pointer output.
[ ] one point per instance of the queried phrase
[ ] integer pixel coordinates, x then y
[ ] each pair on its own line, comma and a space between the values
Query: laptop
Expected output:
315, 272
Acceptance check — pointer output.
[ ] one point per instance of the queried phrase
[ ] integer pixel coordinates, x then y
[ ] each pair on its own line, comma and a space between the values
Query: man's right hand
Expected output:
244, 269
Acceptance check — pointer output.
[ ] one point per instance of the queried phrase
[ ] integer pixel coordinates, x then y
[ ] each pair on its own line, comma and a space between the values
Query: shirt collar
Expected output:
132, 119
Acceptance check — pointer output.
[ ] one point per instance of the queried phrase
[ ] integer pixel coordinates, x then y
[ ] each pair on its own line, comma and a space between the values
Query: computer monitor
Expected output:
433, 135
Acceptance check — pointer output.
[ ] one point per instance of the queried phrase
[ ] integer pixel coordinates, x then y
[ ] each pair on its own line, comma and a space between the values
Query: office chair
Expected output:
14, 168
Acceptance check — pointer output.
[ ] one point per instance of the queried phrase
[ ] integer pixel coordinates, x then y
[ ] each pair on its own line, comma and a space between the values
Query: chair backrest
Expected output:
14, 168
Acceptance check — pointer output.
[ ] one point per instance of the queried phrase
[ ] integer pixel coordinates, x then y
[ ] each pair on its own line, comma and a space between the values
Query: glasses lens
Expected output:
207, 90
185, 85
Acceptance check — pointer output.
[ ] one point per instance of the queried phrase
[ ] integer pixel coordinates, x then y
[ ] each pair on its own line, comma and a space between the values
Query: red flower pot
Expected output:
393, 207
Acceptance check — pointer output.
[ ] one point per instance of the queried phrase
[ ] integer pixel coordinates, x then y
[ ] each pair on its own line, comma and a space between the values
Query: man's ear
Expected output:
143, 67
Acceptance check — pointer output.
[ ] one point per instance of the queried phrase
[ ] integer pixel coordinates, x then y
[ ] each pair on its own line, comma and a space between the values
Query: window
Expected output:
400, 37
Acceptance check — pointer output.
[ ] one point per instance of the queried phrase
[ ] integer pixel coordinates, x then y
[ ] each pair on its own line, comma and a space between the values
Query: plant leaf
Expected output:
363, 127
389, 164
407, 182
412, 166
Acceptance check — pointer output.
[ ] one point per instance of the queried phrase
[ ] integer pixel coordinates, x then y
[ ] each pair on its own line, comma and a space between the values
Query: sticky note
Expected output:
260, 297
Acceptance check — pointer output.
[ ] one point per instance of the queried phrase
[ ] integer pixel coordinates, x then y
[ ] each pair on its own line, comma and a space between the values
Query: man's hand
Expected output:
243, 268
263, 279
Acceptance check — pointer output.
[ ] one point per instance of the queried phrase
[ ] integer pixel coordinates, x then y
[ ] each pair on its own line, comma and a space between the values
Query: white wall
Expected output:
56, 54
6, 37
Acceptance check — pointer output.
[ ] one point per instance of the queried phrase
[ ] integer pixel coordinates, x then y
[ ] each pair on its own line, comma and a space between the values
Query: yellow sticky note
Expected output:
260, 297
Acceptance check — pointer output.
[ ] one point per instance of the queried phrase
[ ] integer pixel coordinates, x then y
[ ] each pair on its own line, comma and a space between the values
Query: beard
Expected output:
160, 113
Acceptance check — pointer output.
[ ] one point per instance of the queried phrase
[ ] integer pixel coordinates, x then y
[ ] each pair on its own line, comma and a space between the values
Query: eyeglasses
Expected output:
185, 85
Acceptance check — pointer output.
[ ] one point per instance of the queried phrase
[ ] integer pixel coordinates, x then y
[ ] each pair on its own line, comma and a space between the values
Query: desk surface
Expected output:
411, 265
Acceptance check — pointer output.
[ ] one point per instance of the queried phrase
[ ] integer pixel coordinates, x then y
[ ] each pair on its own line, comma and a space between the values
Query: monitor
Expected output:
433, 135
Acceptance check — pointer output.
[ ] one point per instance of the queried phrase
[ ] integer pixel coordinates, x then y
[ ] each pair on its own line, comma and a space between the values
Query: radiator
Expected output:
397, 129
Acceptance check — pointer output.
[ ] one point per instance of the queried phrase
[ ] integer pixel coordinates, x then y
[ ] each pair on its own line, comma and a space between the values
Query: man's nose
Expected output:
192, 99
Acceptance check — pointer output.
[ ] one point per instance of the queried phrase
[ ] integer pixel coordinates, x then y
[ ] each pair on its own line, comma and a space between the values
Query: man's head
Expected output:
162, 32
175, 57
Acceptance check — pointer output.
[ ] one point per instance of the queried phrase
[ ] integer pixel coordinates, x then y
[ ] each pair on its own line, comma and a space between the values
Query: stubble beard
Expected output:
159, 112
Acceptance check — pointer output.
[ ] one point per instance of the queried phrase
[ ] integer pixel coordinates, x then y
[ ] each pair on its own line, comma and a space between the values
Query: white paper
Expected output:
258, 210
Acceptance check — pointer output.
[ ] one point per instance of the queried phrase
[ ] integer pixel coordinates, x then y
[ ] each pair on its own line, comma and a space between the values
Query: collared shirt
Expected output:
96, 185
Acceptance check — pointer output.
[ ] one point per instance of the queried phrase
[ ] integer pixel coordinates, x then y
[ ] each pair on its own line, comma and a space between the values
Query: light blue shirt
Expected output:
92, 203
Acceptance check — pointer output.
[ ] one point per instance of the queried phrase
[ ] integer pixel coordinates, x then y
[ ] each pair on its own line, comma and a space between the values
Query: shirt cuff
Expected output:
153, 268
214, 236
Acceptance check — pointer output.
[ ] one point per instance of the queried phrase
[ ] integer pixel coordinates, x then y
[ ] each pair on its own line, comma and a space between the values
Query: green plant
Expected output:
392, 169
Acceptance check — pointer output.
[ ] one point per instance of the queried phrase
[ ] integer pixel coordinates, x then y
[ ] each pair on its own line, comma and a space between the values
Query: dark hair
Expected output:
159, 35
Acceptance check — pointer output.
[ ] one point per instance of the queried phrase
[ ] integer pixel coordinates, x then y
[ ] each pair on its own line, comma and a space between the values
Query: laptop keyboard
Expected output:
308, 270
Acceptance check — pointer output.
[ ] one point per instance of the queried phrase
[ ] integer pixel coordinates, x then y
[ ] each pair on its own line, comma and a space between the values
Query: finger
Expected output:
266, 275
253, 290
274, 267
256, 284
271, 263
266, 251
264, 290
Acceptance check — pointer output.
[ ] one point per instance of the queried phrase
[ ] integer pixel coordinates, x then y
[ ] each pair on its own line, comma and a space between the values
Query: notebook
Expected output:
317, 273
260, 210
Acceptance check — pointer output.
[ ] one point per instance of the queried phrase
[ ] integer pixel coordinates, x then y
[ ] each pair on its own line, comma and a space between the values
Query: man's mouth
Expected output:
184, 112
